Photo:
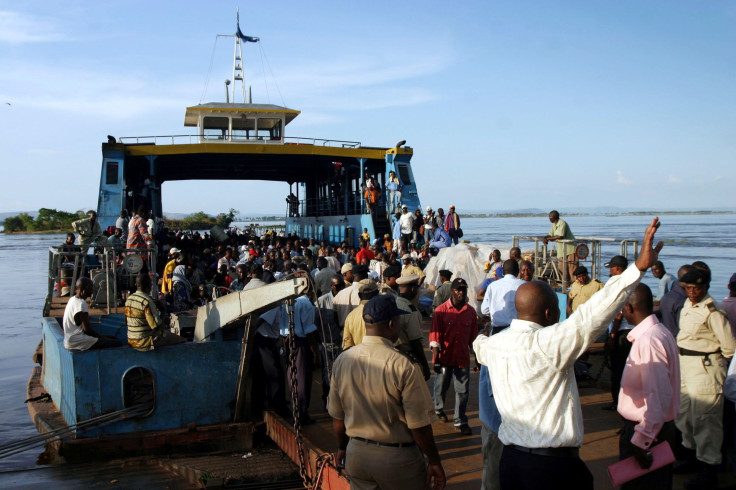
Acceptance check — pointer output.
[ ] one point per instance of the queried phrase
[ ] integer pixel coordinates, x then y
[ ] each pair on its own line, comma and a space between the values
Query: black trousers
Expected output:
522, 471
268, 375
304, 367
619, 354
660, 479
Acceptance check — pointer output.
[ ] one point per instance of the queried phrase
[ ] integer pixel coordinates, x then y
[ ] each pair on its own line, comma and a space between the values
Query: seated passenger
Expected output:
78, 334
441, 239
145, 327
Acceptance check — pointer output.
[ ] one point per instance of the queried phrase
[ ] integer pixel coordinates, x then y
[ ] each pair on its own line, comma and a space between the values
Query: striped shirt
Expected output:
142, 320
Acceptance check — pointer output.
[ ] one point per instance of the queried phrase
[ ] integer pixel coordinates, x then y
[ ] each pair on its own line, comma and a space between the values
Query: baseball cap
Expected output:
459, 283
381, 309
617, 261
174, 250
346, 268
405, 256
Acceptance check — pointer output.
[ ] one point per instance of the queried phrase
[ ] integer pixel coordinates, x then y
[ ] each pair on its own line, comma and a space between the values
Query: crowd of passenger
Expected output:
666, 349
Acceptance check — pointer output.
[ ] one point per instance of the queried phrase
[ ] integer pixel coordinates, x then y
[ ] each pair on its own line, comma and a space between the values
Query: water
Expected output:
23, 283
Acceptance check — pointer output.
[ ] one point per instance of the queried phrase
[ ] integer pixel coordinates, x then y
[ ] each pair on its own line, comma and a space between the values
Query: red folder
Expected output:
626, 470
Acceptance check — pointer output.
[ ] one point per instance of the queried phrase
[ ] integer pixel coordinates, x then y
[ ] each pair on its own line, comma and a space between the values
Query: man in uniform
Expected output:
354, 330
582, 289
383, 433
390, 275
706, 347
88, 230
409, 268
410, 326
444, 292
454, 327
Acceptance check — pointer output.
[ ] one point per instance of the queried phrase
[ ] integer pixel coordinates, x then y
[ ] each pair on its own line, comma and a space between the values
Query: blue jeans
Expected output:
394, 199
461, 379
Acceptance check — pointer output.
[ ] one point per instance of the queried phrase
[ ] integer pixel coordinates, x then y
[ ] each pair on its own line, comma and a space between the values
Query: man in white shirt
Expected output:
406, 223
531, 370
498, 302
78, 334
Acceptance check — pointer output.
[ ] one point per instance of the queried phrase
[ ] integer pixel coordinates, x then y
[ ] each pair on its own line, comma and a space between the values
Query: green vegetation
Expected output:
47, 220
201, 221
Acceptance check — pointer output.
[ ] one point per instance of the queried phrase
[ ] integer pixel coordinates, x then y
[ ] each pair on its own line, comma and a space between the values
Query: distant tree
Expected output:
224, 219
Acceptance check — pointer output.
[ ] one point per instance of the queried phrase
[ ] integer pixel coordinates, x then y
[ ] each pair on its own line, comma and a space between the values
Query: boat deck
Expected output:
58, 304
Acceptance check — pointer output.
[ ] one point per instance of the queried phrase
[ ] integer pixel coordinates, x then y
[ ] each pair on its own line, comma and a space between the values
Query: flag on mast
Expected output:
243, 37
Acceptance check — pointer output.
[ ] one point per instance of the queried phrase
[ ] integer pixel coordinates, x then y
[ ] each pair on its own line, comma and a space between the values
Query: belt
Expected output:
688, 352
562, 452
386, 444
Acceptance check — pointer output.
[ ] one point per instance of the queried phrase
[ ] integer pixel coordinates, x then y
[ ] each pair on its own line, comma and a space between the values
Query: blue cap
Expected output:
382, 308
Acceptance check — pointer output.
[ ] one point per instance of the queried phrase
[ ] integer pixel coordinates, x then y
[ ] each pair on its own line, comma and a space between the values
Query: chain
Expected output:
295, 395
322, 461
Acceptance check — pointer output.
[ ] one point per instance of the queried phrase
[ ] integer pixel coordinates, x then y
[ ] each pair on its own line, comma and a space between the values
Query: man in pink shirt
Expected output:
649, 399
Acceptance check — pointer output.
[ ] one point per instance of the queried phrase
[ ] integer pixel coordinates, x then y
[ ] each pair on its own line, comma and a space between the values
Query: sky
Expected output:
508, 105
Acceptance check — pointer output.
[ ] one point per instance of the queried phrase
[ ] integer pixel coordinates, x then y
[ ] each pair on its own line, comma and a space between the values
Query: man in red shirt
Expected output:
364, 252
454, 327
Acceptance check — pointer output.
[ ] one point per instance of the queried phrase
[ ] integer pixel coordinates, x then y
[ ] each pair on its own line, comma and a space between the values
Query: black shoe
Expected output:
441, 415
610, 407
706, 479
464, 430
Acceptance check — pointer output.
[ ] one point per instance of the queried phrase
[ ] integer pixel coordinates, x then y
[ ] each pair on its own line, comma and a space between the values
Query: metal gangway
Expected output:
586, 251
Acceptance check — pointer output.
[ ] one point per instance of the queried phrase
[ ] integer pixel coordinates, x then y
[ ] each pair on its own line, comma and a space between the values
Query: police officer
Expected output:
382, 431
410, 326
706, 346
390, 275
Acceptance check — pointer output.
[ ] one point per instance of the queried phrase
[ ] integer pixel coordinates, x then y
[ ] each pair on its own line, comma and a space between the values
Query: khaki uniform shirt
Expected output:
412, 269
443, 293
410, 326
705, 328
88, 232
580, 294
384, 288
561, 229
354, 330
398, 399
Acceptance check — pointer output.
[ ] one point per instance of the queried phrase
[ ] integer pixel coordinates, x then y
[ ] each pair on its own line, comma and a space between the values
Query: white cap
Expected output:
429, 208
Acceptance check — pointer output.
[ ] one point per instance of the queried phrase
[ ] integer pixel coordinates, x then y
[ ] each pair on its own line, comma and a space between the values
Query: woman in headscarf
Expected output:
181, 290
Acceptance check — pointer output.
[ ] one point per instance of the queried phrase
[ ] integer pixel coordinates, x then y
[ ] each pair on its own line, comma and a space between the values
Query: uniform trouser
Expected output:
701, 405
461, 379
522, 471
304, 362
268, 374
372, 467
492, 450
619, 354
660, 479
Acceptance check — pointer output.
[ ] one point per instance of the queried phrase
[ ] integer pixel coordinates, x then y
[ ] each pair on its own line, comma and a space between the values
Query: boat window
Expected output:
215, 128
111, 173
243, 128
139, 389
404, 174
269, 128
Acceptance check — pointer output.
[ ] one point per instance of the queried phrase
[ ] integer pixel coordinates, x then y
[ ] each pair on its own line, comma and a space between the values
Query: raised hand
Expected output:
649, 254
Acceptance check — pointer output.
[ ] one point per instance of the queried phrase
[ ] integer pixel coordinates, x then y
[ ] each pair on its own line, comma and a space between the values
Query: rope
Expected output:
209, 71
264, 55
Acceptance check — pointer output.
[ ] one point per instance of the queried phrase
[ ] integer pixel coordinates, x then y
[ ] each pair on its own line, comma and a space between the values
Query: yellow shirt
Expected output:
168, 272
354, 330
379, 393
581, 293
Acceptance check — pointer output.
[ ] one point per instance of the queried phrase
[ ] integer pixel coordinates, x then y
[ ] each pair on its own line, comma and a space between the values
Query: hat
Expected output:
459, 283
732, 281
429, 208
406, 256
253, 252
407, 280
617, 261
386, 236
696, 277
346, 268
404, 206
580, 270
174, 250
382, 308
367, 286
392, 271
445, 273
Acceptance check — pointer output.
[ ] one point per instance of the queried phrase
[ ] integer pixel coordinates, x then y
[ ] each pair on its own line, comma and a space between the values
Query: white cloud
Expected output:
673, 179
21, 28
621, 179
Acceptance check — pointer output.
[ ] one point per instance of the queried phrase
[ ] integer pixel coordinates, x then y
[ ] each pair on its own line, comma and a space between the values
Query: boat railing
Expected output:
190, 139
586, 251
110, 267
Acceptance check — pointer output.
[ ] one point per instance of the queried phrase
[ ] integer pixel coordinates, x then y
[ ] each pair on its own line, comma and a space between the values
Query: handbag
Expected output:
459, 233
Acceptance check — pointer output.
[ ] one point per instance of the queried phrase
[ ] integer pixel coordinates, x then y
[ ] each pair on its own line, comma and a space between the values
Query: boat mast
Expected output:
238, 72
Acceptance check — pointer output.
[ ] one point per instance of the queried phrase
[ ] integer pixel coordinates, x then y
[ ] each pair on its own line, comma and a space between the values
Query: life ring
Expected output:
581, 251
